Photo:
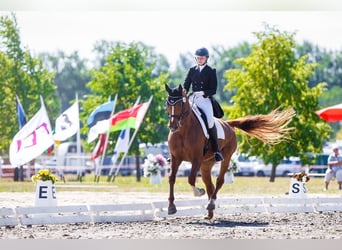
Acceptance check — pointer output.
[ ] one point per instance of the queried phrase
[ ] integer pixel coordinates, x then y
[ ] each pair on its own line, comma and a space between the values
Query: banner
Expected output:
33, 139
67, 124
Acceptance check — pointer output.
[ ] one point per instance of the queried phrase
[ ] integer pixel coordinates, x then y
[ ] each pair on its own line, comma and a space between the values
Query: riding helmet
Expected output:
202, 52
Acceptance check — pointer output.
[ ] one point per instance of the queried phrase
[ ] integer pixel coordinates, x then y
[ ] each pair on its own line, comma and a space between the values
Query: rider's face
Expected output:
201, 60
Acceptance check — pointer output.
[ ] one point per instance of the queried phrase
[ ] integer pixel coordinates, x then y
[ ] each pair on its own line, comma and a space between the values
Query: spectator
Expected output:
334, 165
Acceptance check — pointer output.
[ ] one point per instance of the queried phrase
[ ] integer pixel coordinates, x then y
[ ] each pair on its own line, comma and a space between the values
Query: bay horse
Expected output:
187, 142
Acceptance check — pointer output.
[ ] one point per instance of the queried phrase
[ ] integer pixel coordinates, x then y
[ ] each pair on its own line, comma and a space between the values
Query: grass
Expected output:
258, 186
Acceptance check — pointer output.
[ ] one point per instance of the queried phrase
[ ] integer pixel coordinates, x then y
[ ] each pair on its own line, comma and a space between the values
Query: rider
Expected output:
204, 84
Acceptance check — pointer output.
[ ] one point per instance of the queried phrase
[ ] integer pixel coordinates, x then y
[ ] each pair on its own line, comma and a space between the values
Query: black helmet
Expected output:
202, 52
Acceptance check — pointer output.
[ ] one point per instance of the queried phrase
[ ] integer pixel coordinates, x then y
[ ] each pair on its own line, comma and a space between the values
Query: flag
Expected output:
122, 144
100, 113
128, 118
98, 150
100, 127
33, 139
52, 148
21, 113
67, 124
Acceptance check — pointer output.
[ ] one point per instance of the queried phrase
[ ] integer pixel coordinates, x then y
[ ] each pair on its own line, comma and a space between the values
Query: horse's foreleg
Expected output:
172, 208
172, 180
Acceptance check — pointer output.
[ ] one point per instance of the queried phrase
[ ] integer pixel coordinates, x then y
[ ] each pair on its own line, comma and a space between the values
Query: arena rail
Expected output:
112, 213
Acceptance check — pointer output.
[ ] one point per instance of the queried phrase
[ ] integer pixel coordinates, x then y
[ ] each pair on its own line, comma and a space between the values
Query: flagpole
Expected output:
78, 148
112, 168
131, 141
106, 140
21, 122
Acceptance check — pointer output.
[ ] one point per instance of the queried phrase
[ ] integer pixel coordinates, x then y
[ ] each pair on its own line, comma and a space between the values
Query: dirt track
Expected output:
327, 225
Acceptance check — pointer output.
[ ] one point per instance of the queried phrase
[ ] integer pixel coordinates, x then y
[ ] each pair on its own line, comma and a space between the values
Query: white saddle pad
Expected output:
220, 132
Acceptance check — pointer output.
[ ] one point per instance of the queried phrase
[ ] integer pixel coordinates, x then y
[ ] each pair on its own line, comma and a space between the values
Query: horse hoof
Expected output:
171, 210
210, 206
198, 191
209, 216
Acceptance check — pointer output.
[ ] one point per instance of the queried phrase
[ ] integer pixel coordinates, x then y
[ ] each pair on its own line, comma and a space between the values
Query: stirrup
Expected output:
218, 156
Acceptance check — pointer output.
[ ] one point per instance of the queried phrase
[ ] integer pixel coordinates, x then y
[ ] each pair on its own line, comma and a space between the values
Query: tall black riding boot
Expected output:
213, 137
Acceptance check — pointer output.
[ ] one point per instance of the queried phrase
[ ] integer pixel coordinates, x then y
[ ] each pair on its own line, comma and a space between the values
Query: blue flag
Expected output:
21, 113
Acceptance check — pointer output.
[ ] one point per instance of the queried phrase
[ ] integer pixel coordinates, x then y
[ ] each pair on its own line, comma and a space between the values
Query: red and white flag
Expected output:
99, 147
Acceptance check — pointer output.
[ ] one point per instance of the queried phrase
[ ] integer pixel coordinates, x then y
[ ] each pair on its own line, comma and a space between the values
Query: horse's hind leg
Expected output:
220, 178
192, 178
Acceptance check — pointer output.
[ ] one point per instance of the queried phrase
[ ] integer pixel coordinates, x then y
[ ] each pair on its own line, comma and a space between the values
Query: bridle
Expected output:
172, 101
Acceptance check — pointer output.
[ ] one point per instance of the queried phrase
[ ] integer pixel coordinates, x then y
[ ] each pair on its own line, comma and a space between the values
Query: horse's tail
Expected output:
270, 128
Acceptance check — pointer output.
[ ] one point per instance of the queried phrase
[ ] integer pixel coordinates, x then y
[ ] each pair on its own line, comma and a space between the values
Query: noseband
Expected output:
172, 101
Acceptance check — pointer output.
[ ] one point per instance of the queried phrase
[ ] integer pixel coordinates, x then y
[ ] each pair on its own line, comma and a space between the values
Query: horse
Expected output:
187, 142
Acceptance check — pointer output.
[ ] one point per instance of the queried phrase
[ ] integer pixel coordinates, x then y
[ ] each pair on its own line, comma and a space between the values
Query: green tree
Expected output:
223, 59
329, 71
272, 77
23, 75
71, 75
128, 71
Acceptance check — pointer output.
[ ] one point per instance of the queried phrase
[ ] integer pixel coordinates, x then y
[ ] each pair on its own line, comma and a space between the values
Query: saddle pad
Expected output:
220, 132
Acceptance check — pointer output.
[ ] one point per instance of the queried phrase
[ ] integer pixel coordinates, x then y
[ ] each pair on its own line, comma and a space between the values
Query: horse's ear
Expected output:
180, 87
167, 88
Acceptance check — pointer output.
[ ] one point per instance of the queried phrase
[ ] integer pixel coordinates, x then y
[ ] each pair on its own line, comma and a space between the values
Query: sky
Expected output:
170, 32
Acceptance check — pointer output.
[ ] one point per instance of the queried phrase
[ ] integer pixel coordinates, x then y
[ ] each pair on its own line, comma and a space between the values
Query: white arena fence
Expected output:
111, 213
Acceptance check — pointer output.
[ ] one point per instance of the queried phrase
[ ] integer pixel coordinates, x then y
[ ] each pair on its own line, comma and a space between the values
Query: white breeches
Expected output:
205, 105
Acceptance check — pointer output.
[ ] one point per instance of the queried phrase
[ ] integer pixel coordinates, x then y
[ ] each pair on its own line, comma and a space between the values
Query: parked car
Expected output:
320, 165
287, 166
185, 169
246, 165
127, 168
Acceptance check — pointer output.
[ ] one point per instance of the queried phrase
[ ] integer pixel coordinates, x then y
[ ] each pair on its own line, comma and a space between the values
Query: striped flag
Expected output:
128, 118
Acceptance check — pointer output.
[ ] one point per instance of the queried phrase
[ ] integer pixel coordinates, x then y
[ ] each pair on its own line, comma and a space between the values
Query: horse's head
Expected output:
177, 105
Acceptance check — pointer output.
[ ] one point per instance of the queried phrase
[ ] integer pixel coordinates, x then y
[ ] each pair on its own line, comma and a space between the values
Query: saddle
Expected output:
201, 117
